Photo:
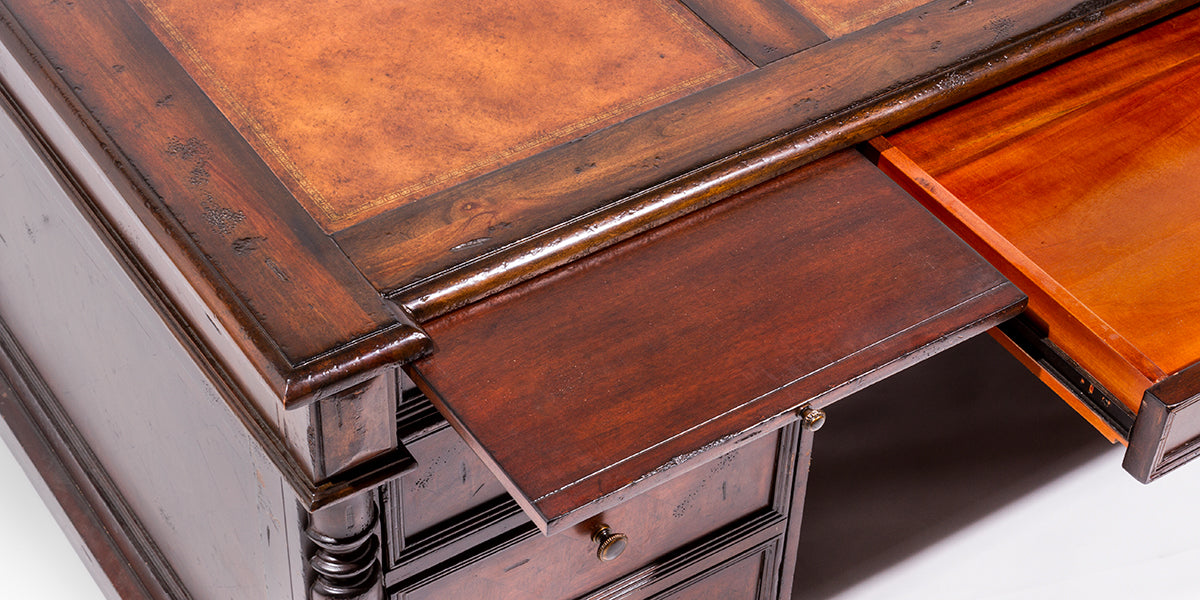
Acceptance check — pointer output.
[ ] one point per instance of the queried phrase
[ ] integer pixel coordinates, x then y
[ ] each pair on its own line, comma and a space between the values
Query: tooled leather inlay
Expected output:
360, 106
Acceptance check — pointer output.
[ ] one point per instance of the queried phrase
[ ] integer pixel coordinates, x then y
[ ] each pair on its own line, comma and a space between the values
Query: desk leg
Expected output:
345, 552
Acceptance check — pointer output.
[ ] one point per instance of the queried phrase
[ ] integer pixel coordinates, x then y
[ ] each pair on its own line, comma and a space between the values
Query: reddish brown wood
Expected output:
791, 540
1064, 392
308, 321
443, 230
840, 17
1075, 325
1166, 434
1085, 177
343, 550
177, 475
735, 489
763, 30
646, 208
730, 580
449, 481
297, 461
1080, 183
737, 545
723, 322
450, 506
356, 425
578, 385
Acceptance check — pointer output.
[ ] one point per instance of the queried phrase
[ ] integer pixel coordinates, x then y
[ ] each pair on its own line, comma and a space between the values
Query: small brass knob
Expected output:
813, 419
611, 544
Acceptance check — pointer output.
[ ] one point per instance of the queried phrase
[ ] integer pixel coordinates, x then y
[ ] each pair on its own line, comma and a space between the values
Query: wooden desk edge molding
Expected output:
865, 96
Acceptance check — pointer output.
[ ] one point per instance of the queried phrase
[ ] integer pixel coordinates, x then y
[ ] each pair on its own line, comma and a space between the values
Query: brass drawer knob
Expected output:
813, 419
611, 544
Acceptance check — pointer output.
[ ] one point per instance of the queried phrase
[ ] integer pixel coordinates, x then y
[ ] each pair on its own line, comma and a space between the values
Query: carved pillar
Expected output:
345, 554
355, 450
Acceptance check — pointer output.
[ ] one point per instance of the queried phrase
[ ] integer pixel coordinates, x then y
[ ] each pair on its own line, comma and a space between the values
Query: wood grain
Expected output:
728, 580
1114, 361
442, 230
1051, 381
788, 113
794, 292
450, 481
355, 425
762, 30
1089, 172
107, 370
1166, 434
730, 490
44, 202
840, 17
304, 316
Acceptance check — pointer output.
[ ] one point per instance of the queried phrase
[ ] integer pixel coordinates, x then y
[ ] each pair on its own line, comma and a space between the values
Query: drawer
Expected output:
1080, 184
449, 504
450, 480
673, 530
743, 576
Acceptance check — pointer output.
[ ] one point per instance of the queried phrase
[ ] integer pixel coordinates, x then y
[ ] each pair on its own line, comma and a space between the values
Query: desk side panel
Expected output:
106, 191
198, 484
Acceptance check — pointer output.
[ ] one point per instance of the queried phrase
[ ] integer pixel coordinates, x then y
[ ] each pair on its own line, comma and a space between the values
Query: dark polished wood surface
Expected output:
89, 501
689, 337
764, 122
733, 489
146, 433
762, 30
288, 295
1167, 432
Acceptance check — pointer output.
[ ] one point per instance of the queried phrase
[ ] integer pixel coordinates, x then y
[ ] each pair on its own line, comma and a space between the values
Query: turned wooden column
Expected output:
348, 431
345, 553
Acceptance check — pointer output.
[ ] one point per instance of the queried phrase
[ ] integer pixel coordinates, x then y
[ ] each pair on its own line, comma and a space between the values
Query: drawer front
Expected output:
745, 488
449, 504
1167, 431
744, 576
450, 480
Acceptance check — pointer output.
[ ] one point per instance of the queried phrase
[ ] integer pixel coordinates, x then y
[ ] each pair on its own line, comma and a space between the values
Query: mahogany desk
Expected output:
451, 301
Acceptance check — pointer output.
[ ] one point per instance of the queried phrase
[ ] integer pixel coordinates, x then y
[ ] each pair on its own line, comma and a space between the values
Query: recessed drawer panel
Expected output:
738, 577
449, 504
741, 487
449, 481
